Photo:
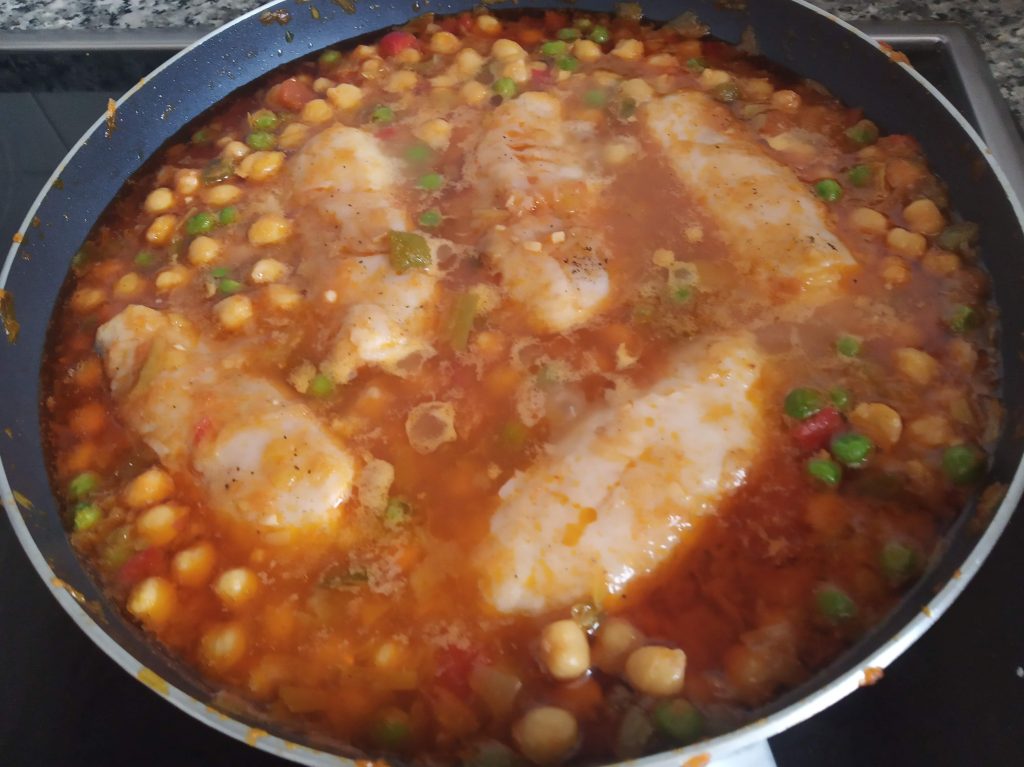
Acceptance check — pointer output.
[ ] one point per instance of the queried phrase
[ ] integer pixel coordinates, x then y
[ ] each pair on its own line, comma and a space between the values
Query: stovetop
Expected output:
955, 698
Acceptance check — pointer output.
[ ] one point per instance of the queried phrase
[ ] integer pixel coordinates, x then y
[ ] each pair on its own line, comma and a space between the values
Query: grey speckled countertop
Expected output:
998, 24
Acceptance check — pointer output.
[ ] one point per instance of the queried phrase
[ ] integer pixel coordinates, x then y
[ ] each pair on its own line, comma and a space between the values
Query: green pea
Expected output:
391, 730
568, 64
87, 515
261, 140
505, 87
802, 403
219, 272
490, 753
227, 215
852, 449
321, 386
582, 23
600, 35
864, 133
397, 513
568, 33
959, 237
145, 259
840, 397
83, 484
860, 175
726, 92
627, 108
218, 170
201, 137
514, 434
848, 346
826, 471
829, 190
229, 286
679, 720
681, 295
431, 182
834, 604
595, 98
418, 154
408, 250
898, 562
962, 319
963, 464
697, 65
554, 48
330, 56
382, 114
264, 120
430, 218
201, 223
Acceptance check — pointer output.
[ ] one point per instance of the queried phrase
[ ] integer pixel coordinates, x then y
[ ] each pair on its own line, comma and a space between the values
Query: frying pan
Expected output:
792, 33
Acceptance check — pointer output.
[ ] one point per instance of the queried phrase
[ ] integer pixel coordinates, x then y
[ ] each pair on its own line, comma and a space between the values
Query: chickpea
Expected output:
916, 365
268, 270
221, 195
283, 297
869, 221
86, 299
293, 136
409, 56
152, 601
401, 81
345, 96
488, 24
444, 42
564, 651
786, 101
931, 431
638, 90
236, 587
546, 735
186, 182
223, 646
269, 229
517, 71
587, 51
193, 566
474, 93
628, 50
235, 151
234, 312
657, 671
616, 638
203, 250
661, 60
162, 229
316, 111
260, 166
322, 84
171, 278
505, 50
160, 524
468, 62
159, 200
894, 271
619, 152
434, 133
149, 488
909, 244
879, 422
923, 216
940, 263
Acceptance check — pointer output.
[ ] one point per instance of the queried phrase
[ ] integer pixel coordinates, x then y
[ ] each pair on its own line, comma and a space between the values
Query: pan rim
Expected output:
736, 740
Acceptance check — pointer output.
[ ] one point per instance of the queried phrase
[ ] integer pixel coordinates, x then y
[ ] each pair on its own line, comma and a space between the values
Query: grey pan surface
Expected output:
789, 33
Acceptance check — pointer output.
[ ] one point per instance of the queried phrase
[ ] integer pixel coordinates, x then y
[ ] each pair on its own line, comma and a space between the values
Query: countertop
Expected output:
998, 24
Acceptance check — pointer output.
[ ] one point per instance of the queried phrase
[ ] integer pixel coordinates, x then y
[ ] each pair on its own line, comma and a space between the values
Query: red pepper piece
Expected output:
395, 42
814, 433
142, 565
291, 94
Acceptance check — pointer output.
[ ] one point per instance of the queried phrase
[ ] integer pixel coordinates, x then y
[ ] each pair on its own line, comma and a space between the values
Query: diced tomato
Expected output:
454, 665
148, 562
542, 76
395, 42
388, 133
554, 20
202, 429
814, 433
291, 94
466, 22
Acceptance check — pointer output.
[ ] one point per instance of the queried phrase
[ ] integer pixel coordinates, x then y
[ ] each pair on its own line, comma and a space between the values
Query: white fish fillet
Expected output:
561, 285
527, 158
388, 319
618, 493
346, 175
262, 457
772, 223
